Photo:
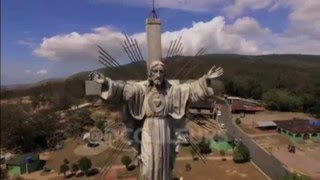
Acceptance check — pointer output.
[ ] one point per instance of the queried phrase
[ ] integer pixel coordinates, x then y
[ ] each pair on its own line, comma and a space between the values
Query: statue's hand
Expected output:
97, 77
214, 72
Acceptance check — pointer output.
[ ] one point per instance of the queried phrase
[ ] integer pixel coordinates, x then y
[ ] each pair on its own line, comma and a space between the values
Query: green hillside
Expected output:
246, 76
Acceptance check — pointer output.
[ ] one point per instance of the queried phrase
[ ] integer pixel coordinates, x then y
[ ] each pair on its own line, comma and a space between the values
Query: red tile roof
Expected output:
240, 106
298, 126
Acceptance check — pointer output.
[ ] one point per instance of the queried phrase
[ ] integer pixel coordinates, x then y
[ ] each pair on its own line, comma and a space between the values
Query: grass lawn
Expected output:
222, 170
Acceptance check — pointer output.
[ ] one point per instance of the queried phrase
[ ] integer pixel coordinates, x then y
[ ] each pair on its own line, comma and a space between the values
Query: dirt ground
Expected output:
272, 142
306, 160
217, 169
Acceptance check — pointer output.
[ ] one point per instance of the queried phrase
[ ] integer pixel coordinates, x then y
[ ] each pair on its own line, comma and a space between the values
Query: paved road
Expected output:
271, 166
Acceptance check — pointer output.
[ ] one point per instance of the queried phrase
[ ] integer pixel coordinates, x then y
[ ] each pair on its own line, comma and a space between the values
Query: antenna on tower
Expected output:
153, 12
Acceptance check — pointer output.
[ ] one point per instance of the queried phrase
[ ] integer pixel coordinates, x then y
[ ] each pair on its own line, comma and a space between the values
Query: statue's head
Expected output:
157, 73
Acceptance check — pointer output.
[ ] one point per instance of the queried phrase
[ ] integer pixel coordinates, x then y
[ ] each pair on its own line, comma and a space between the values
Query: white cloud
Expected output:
213, 35
76, 46
244, 36
27, 71
42, 72
239, 6
187, 5
27, 42
305, 18
247, 26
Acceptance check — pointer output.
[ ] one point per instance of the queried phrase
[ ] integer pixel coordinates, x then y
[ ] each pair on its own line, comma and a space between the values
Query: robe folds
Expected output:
158, 126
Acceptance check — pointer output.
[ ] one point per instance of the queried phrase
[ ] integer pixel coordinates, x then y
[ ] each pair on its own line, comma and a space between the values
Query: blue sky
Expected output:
43, 39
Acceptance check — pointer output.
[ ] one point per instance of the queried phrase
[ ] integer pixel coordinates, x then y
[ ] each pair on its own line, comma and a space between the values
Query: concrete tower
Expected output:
153, 29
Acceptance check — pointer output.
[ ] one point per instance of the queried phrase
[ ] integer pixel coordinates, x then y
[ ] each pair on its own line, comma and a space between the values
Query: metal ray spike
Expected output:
169, 49
174, 44
130, 47
176, 48
139, 50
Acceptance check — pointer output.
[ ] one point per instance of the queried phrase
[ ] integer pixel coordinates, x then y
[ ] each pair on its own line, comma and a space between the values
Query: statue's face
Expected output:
157, 75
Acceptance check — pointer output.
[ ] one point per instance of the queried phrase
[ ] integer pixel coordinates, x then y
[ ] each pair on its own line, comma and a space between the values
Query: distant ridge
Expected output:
233, 64
30, 85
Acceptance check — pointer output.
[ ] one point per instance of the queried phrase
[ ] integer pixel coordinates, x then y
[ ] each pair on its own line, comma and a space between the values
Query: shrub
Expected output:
238, 121
74, 167
100, 124
64, 168
85, 164
222, 152
66, 161
241, 154
126, 160
204, 147
192, 152
188, 167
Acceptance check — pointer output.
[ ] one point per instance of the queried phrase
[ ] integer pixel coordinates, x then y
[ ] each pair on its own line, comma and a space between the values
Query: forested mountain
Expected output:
294, 77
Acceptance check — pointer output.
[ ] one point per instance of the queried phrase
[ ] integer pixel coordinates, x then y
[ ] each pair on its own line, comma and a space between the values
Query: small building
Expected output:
242, 107
266, 125
5, 157
298, 130
26, 163
199, 106
232, 99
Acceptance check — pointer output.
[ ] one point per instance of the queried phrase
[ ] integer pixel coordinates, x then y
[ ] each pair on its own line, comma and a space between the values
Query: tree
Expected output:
188, 167
126, 160
204, 146
4, 173
238, 121
282, 100
222, 152
100, 124
241, 154
315, 111
74, 167
26, 132
192, 152
63, 169
66, 161
84, 165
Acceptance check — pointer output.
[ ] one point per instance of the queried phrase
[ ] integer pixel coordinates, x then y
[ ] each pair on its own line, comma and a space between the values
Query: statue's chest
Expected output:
156, 101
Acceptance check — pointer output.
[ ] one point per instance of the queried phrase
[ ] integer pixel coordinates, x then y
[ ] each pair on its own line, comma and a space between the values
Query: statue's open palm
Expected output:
215, 72
97, 77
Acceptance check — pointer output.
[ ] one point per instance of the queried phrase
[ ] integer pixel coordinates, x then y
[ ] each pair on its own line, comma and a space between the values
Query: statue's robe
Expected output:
158, 128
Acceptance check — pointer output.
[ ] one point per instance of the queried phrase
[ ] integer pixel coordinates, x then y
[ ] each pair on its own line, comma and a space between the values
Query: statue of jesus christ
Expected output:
158, 105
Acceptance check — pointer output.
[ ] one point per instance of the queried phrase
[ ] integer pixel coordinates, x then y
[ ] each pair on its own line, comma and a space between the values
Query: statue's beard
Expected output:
157, 82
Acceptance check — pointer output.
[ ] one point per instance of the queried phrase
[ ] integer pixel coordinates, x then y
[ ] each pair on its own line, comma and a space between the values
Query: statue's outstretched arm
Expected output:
201, 89
109, 90
114, 91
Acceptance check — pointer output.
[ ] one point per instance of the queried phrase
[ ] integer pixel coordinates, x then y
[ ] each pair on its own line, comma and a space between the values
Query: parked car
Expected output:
181, 137
223, 126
